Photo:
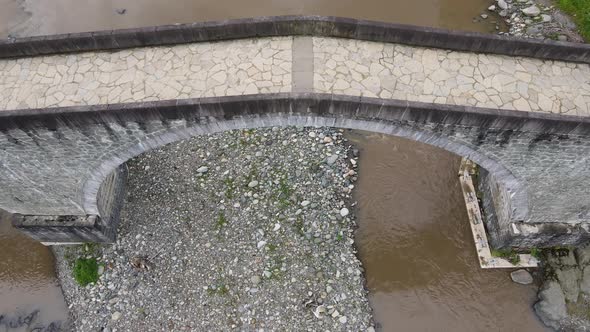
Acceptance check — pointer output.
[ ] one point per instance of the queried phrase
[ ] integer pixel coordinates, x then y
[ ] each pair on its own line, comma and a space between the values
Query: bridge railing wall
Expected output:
320, 26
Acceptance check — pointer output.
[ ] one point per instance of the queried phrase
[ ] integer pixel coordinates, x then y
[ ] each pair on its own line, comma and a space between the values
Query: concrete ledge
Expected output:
547, 124
63, 229
320, 26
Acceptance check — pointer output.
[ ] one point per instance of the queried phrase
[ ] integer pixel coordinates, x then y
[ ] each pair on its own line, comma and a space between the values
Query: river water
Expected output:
417, 249
34, 17
30, 296
413, 238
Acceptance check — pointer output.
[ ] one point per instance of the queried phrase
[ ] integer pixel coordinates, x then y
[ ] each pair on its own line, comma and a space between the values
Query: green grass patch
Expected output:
85, 271
535, 252
285, 192
580, 12
508, 254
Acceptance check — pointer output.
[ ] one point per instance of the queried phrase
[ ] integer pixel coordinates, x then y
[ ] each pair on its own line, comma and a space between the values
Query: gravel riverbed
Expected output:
244, 230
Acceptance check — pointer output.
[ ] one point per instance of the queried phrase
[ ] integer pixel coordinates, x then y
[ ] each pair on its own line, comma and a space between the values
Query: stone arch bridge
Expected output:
74, 108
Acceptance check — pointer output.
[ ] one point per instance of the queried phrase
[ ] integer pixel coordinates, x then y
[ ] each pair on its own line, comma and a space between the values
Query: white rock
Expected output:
203, 169
305, 203
344, 212
531, 11
253, 184
277, 227
261, 244
343, 319
492, 8
546, 18
116, 315
502, 4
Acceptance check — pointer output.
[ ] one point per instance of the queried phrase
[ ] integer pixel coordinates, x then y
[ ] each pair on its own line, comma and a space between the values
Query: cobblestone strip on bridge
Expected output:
280, 64
248, 66
352, 67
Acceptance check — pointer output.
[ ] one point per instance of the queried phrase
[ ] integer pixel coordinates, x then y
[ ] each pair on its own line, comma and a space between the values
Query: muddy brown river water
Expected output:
30, 296
414, 236
417, 249
34, 17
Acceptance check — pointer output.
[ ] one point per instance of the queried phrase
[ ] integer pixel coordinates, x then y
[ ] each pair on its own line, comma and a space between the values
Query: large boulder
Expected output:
522, 277
583, 255
551, 307
569, 280
562, 258
585, 282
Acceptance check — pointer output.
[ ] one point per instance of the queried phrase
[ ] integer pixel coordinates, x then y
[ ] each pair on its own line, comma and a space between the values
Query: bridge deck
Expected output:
285, 64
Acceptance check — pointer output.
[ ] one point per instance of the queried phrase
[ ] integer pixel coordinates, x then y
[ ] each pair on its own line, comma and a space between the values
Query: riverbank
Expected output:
242, 230
539, 19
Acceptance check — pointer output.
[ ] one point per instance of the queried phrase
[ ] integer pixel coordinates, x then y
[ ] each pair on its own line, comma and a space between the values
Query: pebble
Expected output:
255, 280
492, 8
331, 159
253, 184
116, 316
344, 212
502, 4
305, 203
203, 169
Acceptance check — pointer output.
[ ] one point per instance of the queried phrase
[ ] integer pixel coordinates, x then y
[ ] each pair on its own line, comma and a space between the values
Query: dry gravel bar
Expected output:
247, 230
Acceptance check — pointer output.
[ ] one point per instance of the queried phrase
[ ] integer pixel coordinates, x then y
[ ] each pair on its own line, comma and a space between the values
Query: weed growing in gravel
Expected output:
221, 221
285, 192
271, 247
220, 290
299, 226
85, 271
253, 175
230, 188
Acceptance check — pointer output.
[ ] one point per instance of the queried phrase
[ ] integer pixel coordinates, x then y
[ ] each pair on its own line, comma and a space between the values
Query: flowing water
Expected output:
34, 17
417, 249
413, 237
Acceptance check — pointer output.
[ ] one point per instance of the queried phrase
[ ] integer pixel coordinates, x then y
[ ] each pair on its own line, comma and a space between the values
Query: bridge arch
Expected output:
116, 158
101, 138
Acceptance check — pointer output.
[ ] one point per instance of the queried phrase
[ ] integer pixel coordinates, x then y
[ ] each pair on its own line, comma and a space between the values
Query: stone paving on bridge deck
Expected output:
266, 65
142, 74
353, 67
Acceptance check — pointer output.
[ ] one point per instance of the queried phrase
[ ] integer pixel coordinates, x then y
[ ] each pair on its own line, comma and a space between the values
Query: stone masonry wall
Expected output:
540, 162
